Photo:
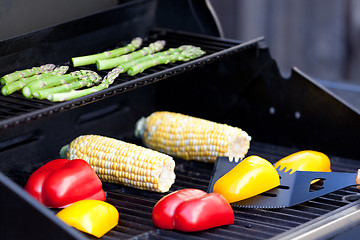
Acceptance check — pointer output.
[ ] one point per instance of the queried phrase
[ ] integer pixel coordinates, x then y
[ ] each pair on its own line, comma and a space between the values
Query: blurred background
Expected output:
320, 37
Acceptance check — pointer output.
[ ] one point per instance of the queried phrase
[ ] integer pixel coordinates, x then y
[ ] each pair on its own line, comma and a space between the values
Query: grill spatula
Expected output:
294, 188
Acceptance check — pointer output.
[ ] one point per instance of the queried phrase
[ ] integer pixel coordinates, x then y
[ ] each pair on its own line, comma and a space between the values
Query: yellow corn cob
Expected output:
116, 161
192, 138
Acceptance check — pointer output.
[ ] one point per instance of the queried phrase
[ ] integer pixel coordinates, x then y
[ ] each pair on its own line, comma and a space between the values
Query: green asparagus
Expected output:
106, 82
19, 84
52, 81
11, 77
91, 59
84, 81
187, 53
125, 66
182, 53
114, 62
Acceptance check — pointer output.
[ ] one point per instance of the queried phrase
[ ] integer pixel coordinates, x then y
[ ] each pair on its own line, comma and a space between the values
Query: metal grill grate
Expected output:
15, 109
135, 206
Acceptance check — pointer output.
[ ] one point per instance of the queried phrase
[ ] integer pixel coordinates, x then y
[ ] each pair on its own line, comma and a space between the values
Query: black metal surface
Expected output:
15, 109
196, 16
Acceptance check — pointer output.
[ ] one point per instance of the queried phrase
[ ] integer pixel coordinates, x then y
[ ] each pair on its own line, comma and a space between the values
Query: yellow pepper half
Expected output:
91, 216
250, 177
307, 160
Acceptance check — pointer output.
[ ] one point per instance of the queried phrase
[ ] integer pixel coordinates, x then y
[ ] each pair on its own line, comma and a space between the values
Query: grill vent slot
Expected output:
15, 142
100, 113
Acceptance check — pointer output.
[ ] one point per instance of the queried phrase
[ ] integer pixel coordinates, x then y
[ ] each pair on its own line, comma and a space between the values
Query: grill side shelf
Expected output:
16, 109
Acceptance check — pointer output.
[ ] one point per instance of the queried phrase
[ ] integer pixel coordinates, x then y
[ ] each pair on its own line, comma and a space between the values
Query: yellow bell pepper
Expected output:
250, 177
307, 160
91, 216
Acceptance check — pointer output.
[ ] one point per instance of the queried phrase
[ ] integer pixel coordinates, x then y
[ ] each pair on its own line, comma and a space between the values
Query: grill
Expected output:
235, 82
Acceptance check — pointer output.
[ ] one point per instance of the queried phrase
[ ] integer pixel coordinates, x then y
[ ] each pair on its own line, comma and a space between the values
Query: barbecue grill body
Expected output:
242, 88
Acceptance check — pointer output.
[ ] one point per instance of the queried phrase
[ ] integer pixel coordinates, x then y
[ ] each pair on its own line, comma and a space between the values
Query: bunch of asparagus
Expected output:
17, 80
182, 53
103, 64
42, 88
41, 81
50, 82
11, 77
105, 83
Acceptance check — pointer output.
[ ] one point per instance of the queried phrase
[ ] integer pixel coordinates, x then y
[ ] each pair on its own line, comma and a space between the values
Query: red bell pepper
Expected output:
164, 210
192, 210
62, 182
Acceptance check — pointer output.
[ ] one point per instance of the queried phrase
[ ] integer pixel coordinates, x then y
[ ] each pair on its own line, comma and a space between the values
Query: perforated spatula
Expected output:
294, 188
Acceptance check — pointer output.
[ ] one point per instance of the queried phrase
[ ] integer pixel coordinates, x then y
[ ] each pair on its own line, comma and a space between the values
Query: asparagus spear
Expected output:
114, 62
107, 81
84, 81
11, 77
126, 65
19, 84
91, 59
185, 55
52, 81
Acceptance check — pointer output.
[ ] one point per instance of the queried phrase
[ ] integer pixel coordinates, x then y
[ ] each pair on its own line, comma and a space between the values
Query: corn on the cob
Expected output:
192, 138
116, 161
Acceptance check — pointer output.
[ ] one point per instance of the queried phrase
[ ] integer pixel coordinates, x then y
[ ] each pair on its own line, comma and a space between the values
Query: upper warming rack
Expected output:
16, 109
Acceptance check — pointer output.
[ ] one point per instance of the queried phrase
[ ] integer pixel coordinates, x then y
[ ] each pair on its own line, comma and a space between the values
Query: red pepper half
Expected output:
164, 210
191, 210
62, 182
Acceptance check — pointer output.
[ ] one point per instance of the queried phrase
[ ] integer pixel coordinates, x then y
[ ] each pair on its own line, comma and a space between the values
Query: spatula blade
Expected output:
294, 188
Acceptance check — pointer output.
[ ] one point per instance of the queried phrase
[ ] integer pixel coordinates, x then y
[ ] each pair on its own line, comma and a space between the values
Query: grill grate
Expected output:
15, 109
135, 206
